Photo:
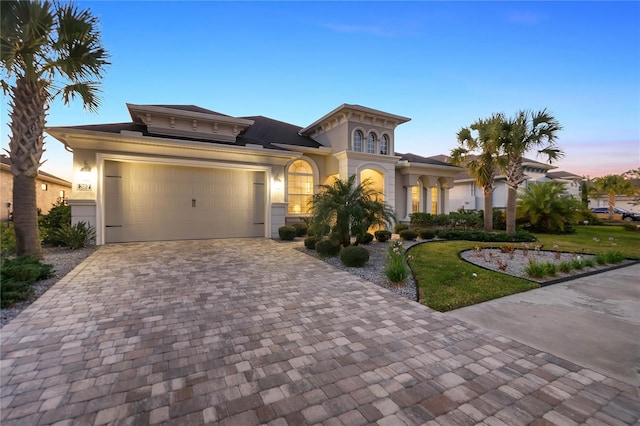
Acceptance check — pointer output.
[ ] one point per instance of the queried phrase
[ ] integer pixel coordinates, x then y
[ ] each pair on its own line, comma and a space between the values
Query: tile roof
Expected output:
191, 108
414, 158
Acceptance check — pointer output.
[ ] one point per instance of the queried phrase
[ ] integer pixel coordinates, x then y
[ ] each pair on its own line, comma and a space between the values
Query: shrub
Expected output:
421, 219
287, 233
354, 256
7, 238
17, 276
577, 264
565, 267
613, 257
382, 235
400, 227
427, 234
364, 239
301, 229
631, 227
396, 270
408, 234
550, 269
494, 237
535, 269
58, 216
310, 243
328, 248
75, 236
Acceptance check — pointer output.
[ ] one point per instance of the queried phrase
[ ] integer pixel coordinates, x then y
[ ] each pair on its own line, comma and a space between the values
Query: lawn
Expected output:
447, 282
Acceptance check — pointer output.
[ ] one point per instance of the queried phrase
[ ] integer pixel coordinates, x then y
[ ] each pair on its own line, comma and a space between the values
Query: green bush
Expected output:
7, 238
17, 276
301, 229
613, 257
382, 235
400, 227
422, 219
75, 236
408, 234
287, 233
631, 227
328, 248
364, 239
427, 234
535, 269
565, 267
354, 256
310, 243
58, 217
493, 237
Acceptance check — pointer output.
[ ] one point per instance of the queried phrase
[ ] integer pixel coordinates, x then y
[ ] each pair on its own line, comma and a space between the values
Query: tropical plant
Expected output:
75, 236
349, 208
612, 185
47, 51
396, 270
478, 149
525, 132
548, 207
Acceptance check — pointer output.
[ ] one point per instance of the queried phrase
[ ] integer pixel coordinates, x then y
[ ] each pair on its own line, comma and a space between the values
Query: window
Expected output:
43, 186
61, 193
371, 143
357, 141
434, 200
299, 187
415, 198
384, 145
473, 190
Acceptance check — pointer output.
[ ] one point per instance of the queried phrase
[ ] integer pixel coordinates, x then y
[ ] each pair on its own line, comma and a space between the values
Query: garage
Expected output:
160, 202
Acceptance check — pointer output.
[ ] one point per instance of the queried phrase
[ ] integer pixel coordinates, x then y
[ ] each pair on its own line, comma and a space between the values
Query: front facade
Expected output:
185, 172
50, 190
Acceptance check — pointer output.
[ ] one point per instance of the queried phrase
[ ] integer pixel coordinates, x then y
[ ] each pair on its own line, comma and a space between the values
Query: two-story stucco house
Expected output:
185, 172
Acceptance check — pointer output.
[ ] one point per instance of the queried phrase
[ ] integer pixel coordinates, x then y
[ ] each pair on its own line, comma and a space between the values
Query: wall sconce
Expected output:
277, 182
85, 178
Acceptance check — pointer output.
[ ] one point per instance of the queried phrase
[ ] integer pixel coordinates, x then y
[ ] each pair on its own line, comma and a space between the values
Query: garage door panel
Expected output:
154, 202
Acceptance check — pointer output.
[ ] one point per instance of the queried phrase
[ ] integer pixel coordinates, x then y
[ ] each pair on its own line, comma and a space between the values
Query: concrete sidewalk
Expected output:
593, 321
243, 332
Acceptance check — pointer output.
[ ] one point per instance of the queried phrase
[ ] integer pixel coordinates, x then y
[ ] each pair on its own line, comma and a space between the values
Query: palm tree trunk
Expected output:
25, 216
512, 194
26, 146
488, 210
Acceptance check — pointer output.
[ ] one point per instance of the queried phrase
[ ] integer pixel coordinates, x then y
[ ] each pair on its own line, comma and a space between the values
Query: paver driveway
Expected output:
252, 331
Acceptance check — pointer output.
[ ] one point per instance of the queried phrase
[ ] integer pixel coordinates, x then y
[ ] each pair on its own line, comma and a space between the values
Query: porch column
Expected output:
428, 200
409, 202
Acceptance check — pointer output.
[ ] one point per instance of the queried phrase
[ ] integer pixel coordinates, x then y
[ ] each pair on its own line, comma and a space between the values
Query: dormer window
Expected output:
384, 145
371, 143
357, 141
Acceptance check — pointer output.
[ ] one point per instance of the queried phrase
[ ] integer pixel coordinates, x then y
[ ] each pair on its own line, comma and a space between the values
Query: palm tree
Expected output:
612, 185
479, 154
46, 51
349, 209
548, 206
526, 132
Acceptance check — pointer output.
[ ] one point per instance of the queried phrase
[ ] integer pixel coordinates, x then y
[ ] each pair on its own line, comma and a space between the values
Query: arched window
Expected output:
357, 141
415, 197
384, 145
299, 187
371, 143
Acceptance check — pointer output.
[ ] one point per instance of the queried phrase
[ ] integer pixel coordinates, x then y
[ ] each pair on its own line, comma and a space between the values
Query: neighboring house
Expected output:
185, 172
49, 190
468, 195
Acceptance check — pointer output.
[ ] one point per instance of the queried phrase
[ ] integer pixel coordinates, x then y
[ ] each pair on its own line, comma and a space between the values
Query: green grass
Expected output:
446, 282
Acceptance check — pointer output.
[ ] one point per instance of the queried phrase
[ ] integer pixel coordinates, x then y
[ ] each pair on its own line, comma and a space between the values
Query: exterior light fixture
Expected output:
85, 178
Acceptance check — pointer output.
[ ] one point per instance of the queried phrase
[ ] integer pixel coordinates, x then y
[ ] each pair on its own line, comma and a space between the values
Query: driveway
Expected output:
243, 332
593, 321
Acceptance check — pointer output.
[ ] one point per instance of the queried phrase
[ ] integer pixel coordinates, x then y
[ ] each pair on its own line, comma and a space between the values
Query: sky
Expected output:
442, 64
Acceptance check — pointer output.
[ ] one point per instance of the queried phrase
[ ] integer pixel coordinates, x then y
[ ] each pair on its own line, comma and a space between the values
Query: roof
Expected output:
359, 109
414, 158
563, 175
264, 131
191, 108
6, 162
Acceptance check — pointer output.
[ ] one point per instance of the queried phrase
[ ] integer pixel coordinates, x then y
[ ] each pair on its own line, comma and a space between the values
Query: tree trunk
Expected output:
512, 194
488, 211
25, 216
28, 112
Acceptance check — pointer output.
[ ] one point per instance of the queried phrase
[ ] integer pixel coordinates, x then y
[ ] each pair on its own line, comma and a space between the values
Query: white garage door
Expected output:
156, 202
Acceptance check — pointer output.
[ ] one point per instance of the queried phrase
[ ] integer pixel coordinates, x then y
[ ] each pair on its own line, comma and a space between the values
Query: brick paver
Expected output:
244, 332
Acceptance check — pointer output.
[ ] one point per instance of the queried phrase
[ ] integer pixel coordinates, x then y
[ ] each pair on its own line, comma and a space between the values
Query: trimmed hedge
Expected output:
382, 235
427, 234
354, 256
400, 227
492, 237
301, 229
408, 234
287, 233
310, 243
366, 239
328, 248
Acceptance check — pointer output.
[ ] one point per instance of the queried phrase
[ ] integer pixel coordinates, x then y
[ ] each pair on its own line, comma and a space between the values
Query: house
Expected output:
186, 172
49, 190
468, 195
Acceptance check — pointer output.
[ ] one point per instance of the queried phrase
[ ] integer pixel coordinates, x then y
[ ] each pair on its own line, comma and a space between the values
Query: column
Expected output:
409, 202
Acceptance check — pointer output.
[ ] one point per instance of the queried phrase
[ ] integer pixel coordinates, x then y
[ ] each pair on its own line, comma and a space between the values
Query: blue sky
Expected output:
443, 64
